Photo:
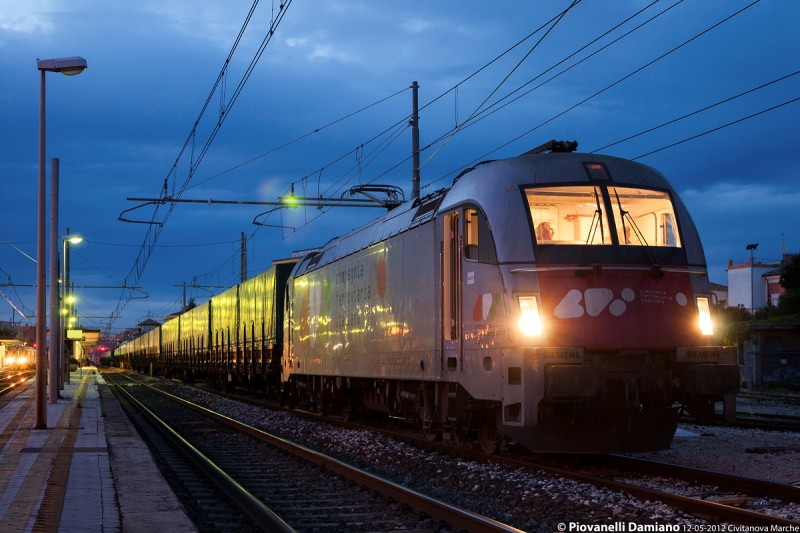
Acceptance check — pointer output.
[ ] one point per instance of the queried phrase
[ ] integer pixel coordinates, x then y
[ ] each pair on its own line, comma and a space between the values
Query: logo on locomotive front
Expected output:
597, 299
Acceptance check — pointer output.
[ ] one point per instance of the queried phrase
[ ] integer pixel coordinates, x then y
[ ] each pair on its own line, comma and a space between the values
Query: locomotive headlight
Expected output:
704, 312
530, 323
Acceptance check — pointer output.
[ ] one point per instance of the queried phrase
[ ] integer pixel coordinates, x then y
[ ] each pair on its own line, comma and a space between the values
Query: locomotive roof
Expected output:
494, 188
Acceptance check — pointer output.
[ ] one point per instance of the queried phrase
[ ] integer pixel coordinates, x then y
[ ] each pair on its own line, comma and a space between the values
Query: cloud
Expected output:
30, 16
415, 25
296, 41
730, 198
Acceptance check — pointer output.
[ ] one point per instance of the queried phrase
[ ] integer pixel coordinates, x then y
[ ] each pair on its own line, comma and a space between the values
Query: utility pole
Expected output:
184, 296
55, 307
244, 259
414, 141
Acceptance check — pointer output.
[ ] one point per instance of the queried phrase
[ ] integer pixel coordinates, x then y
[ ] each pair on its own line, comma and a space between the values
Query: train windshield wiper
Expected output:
639, 235
598, 216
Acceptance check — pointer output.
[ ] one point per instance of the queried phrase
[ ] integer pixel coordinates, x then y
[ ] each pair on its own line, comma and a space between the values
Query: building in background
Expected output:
720, 291
754, 283
147, 325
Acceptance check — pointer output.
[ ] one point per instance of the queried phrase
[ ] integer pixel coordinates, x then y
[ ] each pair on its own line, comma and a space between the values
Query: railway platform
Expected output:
89, 471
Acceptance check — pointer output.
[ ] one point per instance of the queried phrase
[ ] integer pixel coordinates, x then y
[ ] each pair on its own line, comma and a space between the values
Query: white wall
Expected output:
739, 286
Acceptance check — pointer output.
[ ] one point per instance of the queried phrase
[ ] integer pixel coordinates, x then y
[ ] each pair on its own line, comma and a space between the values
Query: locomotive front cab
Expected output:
615, 335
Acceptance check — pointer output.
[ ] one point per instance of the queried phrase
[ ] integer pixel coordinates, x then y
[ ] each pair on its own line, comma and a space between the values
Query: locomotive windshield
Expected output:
569, 215
644, 217
577, 215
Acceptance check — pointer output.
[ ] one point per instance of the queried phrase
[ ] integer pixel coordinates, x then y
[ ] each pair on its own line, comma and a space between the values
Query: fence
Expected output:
764, 369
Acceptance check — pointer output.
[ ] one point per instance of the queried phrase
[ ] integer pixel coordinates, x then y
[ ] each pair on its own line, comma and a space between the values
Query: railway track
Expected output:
765, 396
302, 488
11, 380
723, 493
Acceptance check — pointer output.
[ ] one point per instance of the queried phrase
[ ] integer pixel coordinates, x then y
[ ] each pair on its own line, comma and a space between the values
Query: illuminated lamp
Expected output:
704, 316
530, 323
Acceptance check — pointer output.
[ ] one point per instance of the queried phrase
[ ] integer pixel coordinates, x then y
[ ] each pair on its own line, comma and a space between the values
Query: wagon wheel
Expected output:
489, 435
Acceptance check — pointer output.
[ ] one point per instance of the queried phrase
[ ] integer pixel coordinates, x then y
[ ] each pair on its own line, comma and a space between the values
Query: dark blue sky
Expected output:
118, 127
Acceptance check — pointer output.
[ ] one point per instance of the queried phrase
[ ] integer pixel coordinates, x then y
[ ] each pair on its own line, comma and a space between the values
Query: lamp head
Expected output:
68, 66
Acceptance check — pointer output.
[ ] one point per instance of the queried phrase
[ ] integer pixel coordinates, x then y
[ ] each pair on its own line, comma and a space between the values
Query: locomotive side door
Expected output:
451, 291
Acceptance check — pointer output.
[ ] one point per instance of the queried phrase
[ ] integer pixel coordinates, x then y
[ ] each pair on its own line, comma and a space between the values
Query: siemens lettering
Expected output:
698, 354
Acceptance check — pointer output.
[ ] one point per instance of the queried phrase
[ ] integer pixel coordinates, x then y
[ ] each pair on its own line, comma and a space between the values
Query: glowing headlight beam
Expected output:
704, 315
530, 323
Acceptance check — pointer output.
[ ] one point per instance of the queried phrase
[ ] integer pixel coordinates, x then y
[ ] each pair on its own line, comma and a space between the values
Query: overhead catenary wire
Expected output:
152, 233
323, 213
497, 88
557, 17
693, 113
597, 93
300, 138
495, 106
748, 117
550, 22
490, 110
401, 121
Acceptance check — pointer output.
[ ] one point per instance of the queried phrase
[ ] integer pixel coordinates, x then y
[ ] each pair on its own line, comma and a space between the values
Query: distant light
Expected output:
70, 299
291, 200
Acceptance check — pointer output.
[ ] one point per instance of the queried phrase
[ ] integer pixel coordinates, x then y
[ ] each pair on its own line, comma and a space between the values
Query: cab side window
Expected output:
478, 242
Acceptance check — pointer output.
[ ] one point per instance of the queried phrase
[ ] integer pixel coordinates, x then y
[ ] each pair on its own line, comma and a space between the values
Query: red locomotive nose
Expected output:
618, 310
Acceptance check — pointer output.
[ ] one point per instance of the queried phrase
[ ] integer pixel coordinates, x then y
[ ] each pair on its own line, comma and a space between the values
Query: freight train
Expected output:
559, 300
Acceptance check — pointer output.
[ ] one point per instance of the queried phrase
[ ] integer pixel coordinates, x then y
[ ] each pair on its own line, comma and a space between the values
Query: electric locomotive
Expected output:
558, 299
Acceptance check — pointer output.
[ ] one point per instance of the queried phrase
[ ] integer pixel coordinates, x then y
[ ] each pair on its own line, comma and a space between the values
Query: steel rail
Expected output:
16, 384
454, 515
753, 486
262, 515
768, 423
700, 508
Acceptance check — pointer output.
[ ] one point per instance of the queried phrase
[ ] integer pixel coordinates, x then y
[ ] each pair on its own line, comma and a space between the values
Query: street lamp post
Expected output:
752, 248
69, 66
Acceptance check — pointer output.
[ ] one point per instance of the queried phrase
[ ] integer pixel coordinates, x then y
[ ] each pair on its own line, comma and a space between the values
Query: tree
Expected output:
790, 273
789, 303
190, 304
6, 332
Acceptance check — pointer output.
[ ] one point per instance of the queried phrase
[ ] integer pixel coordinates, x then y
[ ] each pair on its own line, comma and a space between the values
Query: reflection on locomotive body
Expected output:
556, 300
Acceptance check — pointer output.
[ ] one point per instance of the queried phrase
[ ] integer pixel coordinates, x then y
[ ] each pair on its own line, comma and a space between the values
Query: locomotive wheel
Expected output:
489, 436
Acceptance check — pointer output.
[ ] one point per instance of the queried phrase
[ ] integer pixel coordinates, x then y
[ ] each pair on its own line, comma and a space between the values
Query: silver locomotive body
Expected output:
559, 300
